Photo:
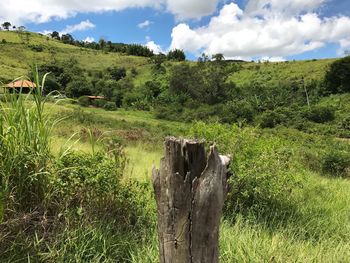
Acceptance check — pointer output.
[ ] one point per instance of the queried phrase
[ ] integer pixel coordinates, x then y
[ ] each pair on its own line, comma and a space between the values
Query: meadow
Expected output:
76, 181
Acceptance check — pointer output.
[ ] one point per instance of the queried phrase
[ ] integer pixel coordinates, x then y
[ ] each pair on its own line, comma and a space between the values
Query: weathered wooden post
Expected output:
190, 191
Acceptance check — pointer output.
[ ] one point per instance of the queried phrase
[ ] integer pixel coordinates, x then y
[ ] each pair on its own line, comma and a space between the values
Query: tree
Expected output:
102, 43
6, 25
218, 57
55, 35
177, 55
78, 88
117, 73
337, 78
21, 28
67, 39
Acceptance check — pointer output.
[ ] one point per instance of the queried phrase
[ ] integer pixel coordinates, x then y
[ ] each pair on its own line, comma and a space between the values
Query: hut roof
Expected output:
96, 97
22, 83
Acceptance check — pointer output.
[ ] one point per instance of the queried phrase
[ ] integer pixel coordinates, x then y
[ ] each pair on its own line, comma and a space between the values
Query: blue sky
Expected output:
249, 29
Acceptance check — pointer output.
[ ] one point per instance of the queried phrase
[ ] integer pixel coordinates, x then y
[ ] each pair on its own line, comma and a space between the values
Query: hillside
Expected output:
18, 54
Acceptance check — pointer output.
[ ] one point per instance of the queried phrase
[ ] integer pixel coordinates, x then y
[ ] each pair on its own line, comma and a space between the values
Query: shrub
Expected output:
238, 111
336, 163
92, 181
84, 101
24, 149
37, 48
321, 114
270, 119
78, 88
264, 175
100, 103
110, 106
338, 76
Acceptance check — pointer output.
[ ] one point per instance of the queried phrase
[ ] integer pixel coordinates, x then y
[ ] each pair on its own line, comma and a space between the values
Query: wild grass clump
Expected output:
73, 207
264, 173
24, 148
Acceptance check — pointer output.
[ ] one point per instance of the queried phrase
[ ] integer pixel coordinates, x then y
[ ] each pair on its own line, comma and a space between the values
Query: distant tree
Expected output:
117, 73
67, 39
21, 28
6, 25
218, 57
337, 78
78, 88
14, 27
177, 55
138, 50
55, 35
102, 43
203, 58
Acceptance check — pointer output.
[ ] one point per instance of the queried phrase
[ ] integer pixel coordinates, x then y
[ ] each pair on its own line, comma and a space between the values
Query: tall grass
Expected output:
24, 147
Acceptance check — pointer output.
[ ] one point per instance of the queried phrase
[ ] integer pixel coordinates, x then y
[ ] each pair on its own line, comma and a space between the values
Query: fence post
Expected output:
190, 190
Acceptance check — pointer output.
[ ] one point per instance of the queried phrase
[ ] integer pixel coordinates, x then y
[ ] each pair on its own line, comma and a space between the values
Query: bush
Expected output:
100, 103
336, 163
78, 88
37, 48
92, 181
321, 114
338, 76
238, 111
110, 106
84, 101
264, 175
270, 119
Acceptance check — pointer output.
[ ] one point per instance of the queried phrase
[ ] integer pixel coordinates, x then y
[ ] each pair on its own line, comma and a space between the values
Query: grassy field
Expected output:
17, 57
315, 228
290, 200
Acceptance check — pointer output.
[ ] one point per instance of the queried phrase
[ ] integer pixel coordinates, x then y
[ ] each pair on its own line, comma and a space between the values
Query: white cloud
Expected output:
235, 32
287, 7
154, 47
273, 59
185, 9
144, 24
82, 26
39, 11
89, 40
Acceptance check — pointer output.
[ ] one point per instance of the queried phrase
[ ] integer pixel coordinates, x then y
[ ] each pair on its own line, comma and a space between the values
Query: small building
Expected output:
93, 98
20, 85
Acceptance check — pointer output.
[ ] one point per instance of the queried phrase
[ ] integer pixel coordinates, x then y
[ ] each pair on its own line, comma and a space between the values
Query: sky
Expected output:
274, 30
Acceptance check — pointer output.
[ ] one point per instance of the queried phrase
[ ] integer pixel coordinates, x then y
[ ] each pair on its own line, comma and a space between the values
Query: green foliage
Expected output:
36, 48
110, 106
235, 111
78, 88
24, 148
336, 163
321, 114
176, 55
264, 175
270, 119
84, 101
338, 76
117, 73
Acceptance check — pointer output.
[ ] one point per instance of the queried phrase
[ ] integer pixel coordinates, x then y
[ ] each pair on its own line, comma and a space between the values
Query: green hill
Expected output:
19, 53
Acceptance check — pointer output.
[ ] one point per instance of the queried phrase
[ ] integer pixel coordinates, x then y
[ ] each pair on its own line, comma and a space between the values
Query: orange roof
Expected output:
21, 84
96, 97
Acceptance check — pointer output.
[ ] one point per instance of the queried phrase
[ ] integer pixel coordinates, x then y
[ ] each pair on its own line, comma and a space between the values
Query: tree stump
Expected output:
190, 190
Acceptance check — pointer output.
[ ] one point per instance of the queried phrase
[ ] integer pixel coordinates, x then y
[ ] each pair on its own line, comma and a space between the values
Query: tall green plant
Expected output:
24, 146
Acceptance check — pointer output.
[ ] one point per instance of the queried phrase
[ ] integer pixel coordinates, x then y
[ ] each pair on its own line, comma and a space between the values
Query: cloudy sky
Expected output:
249, 29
